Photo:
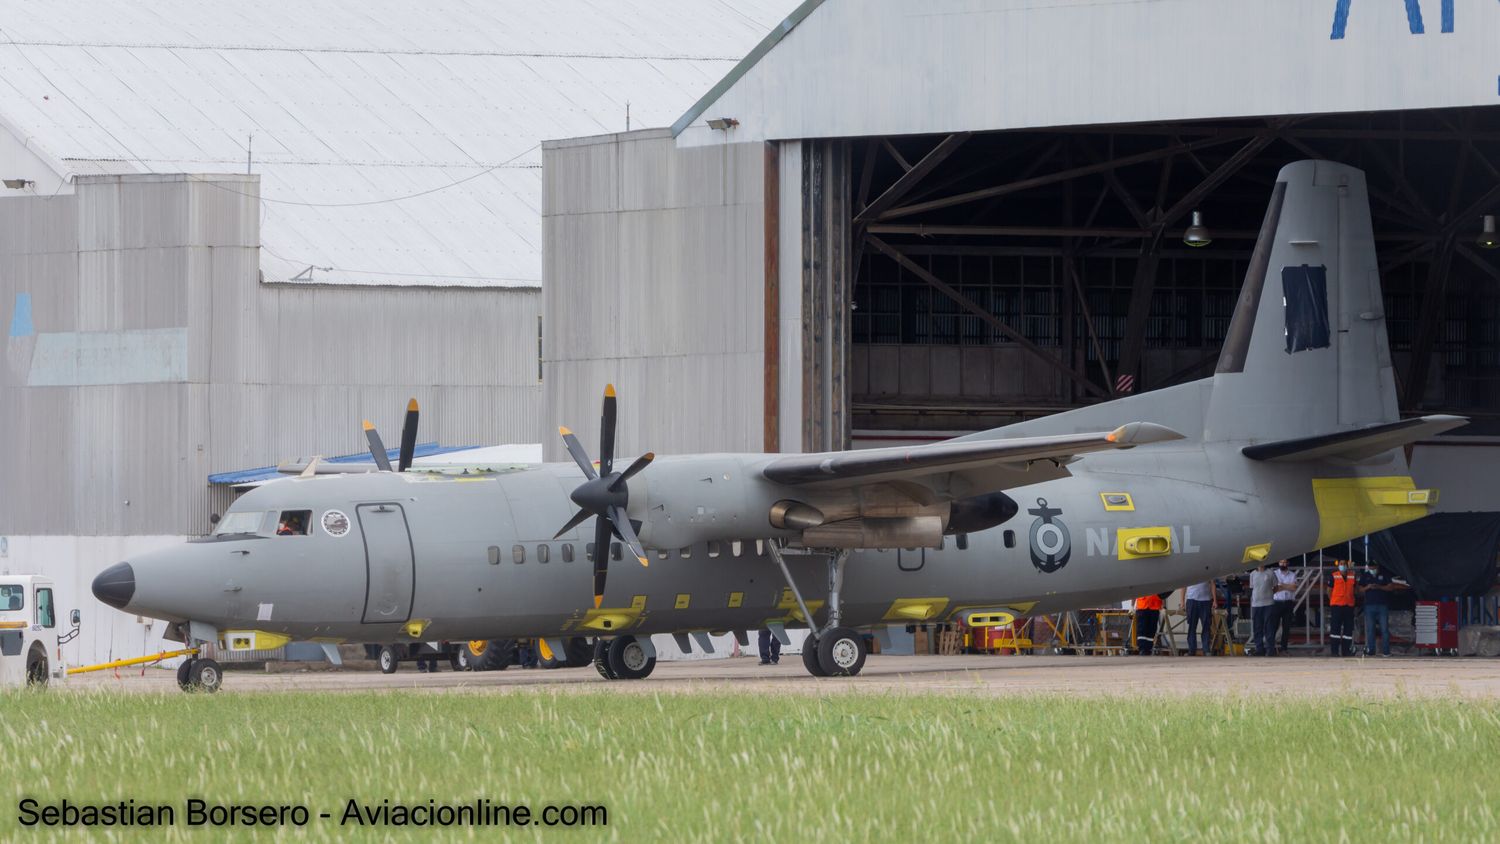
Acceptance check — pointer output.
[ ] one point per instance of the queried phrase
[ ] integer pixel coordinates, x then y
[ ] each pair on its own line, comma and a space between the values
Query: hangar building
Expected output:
894, 220
229, 233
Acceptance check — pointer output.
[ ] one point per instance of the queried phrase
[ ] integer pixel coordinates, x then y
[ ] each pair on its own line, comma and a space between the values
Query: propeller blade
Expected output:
602, 537
622, 524
377, 448
581, 457
578, 518
408, 437
607, 432
640, 463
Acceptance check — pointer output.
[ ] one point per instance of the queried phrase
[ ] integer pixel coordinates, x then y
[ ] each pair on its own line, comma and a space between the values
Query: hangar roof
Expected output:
344, 106
851, 68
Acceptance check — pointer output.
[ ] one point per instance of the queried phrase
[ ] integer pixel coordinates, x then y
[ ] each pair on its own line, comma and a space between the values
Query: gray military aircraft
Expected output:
1292, 445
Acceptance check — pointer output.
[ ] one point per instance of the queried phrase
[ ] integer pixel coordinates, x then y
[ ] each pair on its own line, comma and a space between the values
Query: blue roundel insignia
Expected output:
1051, 546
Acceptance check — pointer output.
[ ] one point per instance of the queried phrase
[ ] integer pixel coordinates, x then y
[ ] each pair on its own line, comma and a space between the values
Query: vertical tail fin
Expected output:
1306, 352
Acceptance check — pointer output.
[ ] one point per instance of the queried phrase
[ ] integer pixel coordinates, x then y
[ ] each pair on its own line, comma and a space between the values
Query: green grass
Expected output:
719, 767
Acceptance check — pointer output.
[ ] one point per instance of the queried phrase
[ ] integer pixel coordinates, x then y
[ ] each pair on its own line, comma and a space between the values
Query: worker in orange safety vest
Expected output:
1147, 618
1341, 611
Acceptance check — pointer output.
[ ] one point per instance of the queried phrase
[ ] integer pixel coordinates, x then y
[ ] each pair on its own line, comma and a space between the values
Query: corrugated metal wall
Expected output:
177, 362
654, 279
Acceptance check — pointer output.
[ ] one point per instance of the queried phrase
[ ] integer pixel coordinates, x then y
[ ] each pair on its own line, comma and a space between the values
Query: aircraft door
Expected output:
390, 566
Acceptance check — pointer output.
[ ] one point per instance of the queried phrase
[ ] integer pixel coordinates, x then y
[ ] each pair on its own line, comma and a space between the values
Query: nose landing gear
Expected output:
200, 675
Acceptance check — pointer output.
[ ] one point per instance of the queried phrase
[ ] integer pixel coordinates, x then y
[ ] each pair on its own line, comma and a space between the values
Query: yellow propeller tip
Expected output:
563, 429
368, 426
650, 455
609, 391
412, 405
598, 601
644, 562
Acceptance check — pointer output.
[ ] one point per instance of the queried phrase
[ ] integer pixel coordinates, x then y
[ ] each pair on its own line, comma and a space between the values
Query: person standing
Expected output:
1341, 611
770, 647
1285, 600
1262, 605
1147, 618
1200, 613
1377, 587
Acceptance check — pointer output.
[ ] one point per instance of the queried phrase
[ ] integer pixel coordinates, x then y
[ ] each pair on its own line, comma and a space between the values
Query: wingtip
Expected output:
609, 391
1142, 433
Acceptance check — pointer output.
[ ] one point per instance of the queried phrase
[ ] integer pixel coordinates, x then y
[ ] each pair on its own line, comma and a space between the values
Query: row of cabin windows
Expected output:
714, 549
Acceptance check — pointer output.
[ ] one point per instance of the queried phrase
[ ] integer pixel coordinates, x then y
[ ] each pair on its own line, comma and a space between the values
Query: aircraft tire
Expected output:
601, 660
579, 652
628, 659
205, 676
37, 674
497, 655
841, 652
460, 659
810, 657
183, 672
388, 659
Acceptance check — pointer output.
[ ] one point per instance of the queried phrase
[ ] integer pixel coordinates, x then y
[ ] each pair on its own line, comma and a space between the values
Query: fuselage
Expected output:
391, 557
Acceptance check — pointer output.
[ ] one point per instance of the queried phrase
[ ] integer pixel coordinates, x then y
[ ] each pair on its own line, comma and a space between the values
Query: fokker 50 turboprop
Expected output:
1292, 445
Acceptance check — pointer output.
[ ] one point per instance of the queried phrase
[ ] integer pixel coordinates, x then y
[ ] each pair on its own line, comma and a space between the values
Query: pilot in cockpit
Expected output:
291, 524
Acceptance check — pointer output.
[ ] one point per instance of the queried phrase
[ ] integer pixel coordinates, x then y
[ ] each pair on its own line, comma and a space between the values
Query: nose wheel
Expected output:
200, 675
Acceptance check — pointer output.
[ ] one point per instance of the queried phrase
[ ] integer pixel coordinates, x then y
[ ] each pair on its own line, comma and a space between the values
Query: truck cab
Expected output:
31, 637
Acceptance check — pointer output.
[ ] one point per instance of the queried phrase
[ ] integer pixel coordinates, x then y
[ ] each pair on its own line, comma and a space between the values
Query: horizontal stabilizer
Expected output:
1358, 444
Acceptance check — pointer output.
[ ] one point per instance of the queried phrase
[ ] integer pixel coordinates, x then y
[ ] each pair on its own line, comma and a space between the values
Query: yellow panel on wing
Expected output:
915, 609
1351, 507
1138, 543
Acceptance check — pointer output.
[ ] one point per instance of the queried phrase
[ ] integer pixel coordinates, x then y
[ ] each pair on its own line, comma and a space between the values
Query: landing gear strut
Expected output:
831, 650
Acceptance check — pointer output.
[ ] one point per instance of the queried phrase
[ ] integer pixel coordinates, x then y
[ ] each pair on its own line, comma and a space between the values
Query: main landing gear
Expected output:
832, 650
624, 658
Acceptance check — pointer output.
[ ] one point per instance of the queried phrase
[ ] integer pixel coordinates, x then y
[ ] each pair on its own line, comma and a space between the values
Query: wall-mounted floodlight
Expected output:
1487, 237
18, 184
723, 124
1197, 233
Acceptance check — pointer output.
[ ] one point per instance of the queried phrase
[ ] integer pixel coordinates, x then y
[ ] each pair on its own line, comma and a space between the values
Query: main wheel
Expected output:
841, 652
810, 657
545, 656
184, 672
492, 655
580, 652
388, 660
461, 659
629, 659
601, 660
37, 674
205, 676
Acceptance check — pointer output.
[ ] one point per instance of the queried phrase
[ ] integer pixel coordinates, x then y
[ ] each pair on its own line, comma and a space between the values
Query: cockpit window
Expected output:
12, 598
293, 522
245, 521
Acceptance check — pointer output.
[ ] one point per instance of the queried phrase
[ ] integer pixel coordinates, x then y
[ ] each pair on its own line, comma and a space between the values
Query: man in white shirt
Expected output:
1262, 605
1200, 613
1286, 593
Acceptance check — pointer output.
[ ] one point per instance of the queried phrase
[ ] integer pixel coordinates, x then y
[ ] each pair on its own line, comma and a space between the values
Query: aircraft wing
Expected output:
314, 466
960, 469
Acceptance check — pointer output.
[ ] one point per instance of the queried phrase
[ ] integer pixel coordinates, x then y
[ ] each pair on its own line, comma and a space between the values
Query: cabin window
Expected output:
713, 549
44, 614
12, 598
293, 522
662, 555
588, 550
962, 541
615, 552
687, 553
543, 554
518, 554
494, 555
1010, 539
737, 548
242, 522
760, 548
567, 553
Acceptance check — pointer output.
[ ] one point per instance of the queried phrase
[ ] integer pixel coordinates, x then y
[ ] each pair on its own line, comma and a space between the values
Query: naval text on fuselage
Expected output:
352, 812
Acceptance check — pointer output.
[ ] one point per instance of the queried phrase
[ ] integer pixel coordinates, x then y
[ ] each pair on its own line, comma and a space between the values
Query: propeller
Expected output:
605, 495
408, 441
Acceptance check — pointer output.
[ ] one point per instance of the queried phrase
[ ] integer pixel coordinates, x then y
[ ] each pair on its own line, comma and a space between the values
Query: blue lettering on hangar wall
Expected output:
1413, 20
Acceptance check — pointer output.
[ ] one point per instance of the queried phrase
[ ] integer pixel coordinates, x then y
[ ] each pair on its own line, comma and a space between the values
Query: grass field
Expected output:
717, 767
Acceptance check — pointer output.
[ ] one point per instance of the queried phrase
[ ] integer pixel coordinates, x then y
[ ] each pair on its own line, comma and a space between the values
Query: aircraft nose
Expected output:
115, 585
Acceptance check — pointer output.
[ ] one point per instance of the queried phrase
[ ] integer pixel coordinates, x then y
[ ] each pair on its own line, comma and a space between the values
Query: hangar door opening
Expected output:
963, 281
